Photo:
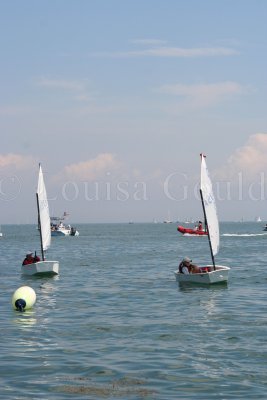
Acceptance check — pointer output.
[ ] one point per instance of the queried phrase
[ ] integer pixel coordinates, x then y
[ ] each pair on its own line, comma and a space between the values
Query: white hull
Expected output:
63, 232
219, 275
41, 268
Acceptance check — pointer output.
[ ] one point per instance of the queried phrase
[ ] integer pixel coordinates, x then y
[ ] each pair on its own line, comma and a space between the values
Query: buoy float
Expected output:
23, 298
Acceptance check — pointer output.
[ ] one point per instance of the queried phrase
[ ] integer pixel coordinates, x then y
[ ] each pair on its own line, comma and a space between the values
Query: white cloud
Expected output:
62, 84
100, 110
179, 52
145, 42
14, 110
78, 88
90, 170
203, 95
185, 53
16, 161
250, 159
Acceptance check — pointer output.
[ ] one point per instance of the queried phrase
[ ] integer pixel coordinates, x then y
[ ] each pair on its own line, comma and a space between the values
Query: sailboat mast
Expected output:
39, 226
207, 227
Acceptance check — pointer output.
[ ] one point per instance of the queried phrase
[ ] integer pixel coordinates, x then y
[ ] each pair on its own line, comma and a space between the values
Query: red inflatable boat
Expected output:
191, 231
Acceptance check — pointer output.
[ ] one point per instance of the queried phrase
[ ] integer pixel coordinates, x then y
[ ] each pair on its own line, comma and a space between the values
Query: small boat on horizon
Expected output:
168, 220
58, 228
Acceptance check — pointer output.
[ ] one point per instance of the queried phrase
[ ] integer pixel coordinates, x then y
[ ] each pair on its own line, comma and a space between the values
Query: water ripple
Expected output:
115, 323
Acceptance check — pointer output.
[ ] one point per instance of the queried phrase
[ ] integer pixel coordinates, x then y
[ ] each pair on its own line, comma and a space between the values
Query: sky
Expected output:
117, 98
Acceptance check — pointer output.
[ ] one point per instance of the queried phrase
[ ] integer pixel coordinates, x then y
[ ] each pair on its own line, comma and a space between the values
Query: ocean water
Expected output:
115, 324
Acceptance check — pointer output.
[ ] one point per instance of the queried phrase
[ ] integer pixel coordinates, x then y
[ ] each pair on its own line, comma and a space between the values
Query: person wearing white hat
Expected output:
186, 267
29, 259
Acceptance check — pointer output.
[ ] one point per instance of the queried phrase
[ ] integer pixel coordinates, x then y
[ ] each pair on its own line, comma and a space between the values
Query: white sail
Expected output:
43, 211
210, 207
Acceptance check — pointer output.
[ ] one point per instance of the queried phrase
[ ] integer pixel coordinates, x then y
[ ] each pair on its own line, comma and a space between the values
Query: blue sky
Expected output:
117, 99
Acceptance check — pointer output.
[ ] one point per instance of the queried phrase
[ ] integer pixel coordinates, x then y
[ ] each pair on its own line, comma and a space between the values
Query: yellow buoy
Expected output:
23, 298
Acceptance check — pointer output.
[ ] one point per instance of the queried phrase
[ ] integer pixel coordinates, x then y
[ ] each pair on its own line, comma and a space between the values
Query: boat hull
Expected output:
190, 231
64, 232
61, 232
217, 276
41, 268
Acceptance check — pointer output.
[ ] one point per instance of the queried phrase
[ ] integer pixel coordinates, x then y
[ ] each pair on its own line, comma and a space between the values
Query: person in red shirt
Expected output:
29, 259
200, 228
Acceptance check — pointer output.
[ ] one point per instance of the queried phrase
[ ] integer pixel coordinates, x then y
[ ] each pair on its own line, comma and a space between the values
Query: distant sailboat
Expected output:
168, 220
188, 221
42, 267
211, 273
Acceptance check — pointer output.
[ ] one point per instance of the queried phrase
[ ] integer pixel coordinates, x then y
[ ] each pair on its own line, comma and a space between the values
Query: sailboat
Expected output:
209, 273
42, 267
168, 220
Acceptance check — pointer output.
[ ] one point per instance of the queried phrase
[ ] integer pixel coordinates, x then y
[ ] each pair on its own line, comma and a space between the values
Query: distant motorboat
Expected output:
191, 231
62, 230
58, 228
258, 219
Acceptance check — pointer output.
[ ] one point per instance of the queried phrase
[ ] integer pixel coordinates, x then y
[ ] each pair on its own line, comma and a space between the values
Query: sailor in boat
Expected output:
72, 231
29, 259
53, 227
199, 226
186, 267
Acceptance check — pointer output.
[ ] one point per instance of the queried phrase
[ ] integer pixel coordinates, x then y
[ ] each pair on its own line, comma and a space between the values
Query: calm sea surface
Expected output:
115, 323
